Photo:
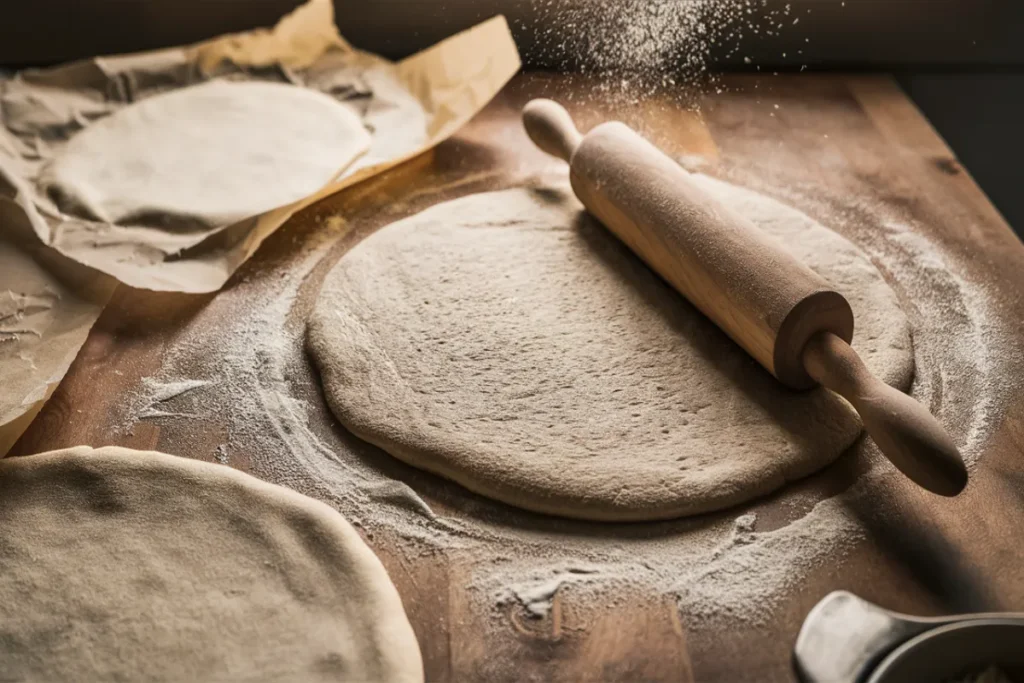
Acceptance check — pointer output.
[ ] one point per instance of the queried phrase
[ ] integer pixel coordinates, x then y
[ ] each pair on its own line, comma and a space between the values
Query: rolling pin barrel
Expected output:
769, 302
780, 311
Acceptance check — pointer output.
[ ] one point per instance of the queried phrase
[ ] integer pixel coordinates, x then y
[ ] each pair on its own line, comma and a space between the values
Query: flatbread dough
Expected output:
510, 343
120, 565
207, 155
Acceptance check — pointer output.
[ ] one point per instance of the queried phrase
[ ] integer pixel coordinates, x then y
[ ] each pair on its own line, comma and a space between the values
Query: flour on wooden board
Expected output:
536, 595
157, 393
721, 567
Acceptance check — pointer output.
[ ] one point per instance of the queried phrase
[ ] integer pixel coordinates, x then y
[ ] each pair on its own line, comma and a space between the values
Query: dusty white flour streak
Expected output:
251, 369
724, 573
536, 595
745, 581
157, 393
968, 332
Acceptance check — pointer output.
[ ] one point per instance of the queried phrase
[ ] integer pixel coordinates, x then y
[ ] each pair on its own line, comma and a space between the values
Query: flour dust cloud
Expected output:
639, 47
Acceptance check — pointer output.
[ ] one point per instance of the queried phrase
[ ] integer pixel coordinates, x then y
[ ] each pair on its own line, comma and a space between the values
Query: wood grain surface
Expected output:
851, 137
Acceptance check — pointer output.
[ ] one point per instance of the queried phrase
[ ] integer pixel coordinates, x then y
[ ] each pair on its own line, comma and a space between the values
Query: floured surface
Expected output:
205, 155
131, 565
243, 363
509, 343
455, 557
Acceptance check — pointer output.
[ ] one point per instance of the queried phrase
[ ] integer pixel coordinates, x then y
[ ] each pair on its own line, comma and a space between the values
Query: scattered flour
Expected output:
159, 393
719, 567
962, 328
536, 595
744, 580
261, 383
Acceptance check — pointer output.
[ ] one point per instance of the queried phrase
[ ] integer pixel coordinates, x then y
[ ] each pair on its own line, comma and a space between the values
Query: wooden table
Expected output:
853, 136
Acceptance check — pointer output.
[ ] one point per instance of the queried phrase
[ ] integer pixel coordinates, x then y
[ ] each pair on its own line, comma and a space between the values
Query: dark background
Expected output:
980, 113
962, 61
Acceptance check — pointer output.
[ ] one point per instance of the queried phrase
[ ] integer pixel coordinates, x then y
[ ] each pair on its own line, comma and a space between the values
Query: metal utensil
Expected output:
846, 639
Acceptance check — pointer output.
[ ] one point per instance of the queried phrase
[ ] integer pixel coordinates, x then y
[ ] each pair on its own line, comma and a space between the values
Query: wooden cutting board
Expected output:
854, 136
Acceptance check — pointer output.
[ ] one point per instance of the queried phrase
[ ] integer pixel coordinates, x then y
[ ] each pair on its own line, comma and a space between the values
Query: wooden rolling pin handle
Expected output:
551, 128
903, 429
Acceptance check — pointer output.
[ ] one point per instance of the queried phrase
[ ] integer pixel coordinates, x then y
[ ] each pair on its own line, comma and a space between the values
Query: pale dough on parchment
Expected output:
510, 343
120, 565
206, 155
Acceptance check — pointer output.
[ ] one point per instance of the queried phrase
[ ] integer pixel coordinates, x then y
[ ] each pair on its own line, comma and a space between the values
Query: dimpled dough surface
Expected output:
213, 153
508, 342
120, 565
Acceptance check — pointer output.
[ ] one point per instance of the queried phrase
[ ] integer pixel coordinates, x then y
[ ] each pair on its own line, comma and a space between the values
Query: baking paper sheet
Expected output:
408, 107
55, 269
47, 307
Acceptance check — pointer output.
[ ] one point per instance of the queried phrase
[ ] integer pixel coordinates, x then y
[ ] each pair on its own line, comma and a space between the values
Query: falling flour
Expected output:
638, 47
721, 568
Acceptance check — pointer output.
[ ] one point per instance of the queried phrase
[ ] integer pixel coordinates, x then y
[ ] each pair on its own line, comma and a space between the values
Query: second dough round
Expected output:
120, 565
210, 154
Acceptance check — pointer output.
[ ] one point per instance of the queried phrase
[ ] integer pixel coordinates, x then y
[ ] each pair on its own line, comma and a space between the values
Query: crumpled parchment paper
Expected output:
408, 107
48, 304
55, 269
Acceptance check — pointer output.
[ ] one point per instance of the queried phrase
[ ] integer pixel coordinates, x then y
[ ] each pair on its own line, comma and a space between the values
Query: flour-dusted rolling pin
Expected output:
783, 313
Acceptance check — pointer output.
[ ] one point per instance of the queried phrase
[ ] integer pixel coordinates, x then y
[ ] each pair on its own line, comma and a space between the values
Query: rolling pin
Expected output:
780, 311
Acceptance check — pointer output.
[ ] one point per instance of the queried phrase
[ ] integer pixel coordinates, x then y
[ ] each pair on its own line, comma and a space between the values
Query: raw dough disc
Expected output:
210, 154
136, 566
508, 342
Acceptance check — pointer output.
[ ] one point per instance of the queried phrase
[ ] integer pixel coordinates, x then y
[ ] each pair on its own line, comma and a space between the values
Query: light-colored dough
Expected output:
210, 154
508, 342
120, 565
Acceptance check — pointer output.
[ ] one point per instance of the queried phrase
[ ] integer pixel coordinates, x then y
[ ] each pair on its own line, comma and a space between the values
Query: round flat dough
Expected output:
510, 343
210, 154
137, 566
